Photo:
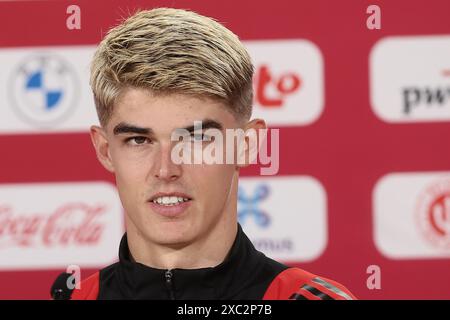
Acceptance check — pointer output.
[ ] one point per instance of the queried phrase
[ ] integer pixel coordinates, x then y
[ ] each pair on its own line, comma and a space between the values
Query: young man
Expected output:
154, 74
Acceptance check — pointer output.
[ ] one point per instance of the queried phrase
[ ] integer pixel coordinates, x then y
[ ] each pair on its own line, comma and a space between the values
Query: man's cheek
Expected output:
130, 173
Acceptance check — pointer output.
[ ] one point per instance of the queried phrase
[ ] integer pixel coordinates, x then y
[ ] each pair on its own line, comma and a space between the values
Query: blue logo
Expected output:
50, 98
44, 90
249, 206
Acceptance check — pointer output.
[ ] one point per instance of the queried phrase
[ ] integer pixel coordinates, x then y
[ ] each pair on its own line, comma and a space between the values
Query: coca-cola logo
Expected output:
433, 214
73, 223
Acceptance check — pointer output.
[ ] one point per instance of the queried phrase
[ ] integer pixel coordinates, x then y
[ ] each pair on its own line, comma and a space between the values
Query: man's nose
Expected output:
165, 168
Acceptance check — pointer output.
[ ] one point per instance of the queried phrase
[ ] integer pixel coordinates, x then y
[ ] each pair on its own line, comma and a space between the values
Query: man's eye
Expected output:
137, 141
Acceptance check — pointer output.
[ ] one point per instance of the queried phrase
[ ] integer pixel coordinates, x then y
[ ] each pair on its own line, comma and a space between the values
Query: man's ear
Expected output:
255, 133
101, 145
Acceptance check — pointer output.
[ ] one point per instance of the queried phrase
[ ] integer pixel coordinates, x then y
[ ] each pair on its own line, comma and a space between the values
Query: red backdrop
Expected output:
348, 148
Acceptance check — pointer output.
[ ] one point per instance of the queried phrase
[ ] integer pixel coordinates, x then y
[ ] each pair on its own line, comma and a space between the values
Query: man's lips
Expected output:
170, 194
169, 204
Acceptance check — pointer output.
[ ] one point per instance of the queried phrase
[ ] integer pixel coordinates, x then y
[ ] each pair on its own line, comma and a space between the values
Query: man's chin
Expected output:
172, 235
175, 242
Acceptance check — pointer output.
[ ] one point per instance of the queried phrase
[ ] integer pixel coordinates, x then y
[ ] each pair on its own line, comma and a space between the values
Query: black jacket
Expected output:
246, 273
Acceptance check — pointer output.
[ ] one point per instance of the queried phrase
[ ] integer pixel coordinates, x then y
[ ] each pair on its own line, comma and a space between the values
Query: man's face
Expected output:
136, 145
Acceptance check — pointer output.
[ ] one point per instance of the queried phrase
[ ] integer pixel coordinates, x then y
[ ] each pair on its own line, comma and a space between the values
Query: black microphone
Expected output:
60, 290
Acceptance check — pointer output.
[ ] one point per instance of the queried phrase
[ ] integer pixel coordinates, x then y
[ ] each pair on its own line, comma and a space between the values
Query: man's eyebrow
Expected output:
206, 124
124, 127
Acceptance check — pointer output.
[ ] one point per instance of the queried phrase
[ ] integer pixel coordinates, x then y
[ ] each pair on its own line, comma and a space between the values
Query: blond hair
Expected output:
172, 51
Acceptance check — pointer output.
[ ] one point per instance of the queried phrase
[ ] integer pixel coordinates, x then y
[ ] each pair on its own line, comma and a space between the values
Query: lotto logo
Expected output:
288, 81
285, 84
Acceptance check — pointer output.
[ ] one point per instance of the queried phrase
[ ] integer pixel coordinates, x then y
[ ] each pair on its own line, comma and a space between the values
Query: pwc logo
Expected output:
412, 215
410, 79
280, 228
288, 81
54, 225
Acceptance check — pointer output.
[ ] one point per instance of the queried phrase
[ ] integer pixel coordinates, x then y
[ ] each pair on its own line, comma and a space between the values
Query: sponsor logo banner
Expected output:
53, 225
285, 217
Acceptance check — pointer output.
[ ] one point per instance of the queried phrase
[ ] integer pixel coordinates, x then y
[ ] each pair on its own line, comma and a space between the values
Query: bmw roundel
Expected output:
44, 90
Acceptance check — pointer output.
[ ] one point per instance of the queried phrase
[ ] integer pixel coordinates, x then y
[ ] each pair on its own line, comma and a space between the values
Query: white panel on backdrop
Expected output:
285, 217
53, 225
46, 89
410, 78
288, 81
411, 213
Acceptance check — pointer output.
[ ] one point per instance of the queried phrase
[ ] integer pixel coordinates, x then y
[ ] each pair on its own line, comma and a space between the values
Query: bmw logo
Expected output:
44, 90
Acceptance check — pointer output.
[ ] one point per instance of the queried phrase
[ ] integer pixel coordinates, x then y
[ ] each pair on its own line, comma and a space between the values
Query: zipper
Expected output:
169, 283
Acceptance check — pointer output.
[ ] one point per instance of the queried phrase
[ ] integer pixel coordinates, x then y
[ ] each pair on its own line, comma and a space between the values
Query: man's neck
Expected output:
207, 251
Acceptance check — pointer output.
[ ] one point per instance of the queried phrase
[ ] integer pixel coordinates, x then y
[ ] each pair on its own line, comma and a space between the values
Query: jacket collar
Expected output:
138, 281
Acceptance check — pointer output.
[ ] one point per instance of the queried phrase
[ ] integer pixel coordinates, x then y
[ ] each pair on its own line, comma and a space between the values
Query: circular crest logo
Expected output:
44, 90
433, 214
